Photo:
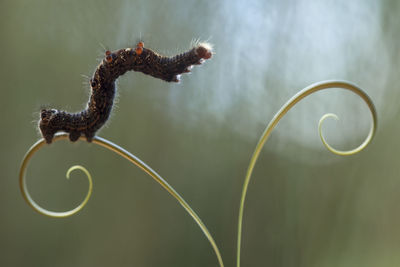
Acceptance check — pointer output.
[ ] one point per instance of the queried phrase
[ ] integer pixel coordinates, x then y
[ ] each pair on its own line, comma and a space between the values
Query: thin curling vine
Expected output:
125, 154
278, 116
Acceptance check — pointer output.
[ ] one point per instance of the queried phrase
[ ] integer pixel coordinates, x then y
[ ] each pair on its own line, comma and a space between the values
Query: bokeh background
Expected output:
305, 206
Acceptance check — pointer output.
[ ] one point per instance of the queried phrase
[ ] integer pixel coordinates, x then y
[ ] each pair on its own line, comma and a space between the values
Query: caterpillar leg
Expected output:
89, 136
74, 136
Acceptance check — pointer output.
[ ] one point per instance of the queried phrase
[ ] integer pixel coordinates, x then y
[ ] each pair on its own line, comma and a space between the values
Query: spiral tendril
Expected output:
336, 151
125, 154
136, 161
29, 199
278, 116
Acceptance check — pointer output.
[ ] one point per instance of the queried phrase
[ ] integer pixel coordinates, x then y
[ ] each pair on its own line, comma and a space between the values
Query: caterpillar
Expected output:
93, 117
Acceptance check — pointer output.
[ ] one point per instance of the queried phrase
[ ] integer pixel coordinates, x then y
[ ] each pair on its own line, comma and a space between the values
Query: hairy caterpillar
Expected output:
115, 64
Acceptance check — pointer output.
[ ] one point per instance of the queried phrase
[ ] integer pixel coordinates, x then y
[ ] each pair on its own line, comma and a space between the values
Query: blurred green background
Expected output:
305, 206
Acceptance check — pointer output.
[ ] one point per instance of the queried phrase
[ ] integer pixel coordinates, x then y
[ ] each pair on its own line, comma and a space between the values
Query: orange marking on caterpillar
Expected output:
109, 58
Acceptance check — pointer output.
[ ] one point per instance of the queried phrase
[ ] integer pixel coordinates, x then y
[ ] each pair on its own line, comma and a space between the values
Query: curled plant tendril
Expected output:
34, 205
122, 152
125, 154
278, 116
333, 150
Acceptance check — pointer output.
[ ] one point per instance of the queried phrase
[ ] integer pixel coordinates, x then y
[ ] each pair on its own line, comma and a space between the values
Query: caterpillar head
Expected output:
46, 123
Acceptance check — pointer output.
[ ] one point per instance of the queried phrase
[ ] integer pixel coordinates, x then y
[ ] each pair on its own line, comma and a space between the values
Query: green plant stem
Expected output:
127, 155
278, 116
